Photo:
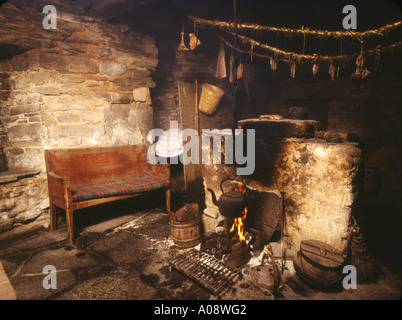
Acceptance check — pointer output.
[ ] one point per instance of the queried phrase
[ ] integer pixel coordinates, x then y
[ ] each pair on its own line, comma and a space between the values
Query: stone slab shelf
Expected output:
12, 176
284, 128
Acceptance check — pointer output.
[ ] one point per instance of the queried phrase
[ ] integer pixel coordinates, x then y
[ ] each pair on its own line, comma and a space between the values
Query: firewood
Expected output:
187, 213
240, 254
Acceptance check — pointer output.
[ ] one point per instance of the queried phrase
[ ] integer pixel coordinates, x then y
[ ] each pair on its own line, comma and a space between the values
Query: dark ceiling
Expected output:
164, 19
153, 15
290, 13
323, 14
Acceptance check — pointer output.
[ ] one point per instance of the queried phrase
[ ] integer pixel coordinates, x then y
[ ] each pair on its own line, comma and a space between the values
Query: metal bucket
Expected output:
210, 97
299, 113
186, 234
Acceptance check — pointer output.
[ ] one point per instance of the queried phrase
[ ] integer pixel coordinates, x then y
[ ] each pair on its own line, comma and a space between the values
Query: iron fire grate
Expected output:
206, 270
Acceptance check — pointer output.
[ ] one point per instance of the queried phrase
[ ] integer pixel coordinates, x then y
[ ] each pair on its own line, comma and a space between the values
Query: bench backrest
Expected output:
99, 164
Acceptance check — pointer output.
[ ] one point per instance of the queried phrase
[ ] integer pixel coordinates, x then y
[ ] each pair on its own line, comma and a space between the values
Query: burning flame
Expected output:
238, 223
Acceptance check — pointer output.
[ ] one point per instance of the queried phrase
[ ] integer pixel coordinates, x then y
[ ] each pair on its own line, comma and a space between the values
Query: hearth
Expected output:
317, 176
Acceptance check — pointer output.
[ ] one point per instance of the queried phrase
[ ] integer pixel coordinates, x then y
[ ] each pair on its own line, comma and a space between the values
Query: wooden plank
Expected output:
93, 202
6, 289
82, 157
92, 165
321, 253
192, 172
94, 174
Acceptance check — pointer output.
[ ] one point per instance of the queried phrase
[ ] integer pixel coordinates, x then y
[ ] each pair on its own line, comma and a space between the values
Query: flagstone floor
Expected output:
126, 257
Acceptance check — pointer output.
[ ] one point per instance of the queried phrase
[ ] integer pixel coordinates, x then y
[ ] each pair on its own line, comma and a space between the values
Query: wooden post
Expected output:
69, 211
168, 195
181, 120
197, 111
53, 216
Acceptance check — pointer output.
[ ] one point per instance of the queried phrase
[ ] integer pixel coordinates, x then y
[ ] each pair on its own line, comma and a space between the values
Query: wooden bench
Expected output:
84, 177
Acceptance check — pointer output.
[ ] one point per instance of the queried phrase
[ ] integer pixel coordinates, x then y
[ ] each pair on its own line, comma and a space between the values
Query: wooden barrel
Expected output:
319, 264
186, 234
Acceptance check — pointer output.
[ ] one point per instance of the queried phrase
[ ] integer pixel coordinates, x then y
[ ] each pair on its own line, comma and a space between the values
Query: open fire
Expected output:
235, 242
238, 223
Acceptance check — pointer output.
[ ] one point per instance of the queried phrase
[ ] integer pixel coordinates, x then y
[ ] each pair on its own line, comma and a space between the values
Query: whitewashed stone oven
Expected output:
316, 176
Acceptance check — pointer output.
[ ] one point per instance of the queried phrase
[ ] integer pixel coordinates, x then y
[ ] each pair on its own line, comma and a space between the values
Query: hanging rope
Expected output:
286, 56
235, 62
276, 54
302, 32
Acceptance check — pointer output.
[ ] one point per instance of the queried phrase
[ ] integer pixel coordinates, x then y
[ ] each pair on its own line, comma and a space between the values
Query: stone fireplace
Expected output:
315, 175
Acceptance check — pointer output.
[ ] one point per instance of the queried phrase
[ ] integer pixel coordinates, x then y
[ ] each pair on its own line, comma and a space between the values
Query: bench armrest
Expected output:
57, 181
59, 189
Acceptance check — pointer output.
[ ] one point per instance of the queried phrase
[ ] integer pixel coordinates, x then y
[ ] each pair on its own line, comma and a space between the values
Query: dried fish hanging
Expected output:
240, 70
315, 69
331, 70
182, 45
293, 69
303, 31
301, 58
221, 64
377, 59
273, 63
276, 54
361, 71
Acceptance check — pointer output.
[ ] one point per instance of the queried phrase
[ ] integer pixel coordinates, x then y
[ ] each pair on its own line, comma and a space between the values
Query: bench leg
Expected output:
53, 217
168, 200
70, 226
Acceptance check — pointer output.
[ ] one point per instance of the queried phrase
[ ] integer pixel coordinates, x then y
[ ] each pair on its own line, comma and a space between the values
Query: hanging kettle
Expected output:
231, 204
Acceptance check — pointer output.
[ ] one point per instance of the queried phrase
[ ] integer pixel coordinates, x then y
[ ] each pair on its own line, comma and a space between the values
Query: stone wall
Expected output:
85, 83
23, 201
188, 67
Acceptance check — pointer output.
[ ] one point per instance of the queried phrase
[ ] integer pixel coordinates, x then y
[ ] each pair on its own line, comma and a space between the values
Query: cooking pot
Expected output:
231, 204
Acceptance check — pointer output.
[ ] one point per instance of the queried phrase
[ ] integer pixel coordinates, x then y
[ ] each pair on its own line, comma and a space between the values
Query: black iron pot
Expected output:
231, 204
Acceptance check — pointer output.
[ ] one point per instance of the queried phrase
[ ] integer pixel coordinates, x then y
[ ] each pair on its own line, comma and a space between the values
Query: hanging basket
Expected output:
210, 97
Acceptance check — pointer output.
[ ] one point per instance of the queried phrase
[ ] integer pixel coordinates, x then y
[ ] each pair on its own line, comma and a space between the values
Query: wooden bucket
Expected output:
186, 234
319, 264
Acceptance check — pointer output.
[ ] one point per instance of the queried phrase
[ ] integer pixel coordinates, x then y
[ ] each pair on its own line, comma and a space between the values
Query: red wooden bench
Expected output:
84, 177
